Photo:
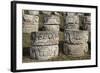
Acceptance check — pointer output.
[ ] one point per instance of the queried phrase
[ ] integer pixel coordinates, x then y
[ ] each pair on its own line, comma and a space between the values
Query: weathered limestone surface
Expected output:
45, 38
51, 27
53, 19
75, 50
44, 52
76, 37
29, 27
31, 18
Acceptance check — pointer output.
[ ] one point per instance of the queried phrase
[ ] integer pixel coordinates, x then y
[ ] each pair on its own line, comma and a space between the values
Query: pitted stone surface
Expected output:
45, 38
76, 37
44, 52
53, 19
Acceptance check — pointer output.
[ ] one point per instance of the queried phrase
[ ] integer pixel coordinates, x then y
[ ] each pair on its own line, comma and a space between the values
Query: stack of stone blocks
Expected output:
45, 42
46, 35
75, 39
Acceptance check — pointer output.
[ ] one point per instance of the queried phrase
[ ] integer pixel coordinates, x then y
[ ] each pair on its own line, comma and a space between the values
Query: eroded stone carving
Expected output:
76, 37
51, 27
71, 27
45, 38
44, 52
31, 18
53, 19
75, 50
72, 19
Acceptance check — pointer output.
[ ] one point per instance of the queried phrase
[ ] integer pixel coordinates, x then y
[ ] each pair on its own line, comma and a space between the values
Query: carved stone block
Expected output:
31, 18
71, 27
29, 27
45, 38
51, 27
76, 37
75, 50
53, 19
44, 52
72, 19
